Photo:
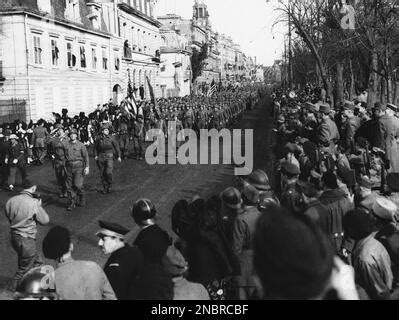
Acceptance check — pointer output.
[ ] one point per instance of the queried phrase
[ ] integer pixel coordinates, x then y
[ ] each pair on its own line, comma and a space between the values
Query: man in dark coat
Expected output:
152, 240
125, 263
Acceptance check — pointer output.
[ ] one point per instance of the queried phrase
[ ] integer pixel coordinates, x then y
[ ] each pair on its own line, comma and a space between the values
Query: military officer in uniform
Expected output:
125, 263
77, 166
327, 131
104, 150
58, 156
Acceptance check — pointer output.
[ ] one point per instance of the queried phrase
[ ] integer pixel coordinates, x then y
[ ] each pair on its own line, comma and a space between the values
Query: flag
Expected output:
153, 100
212, 89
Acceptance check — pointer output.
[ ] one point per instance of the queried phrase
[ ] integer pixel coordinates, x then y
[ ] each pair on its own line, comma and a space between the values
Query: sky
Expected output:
249, 23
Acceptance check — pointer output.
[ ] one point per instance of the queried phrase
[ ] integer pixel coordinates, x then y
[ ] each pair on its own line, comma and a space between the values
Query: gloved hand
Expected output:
86, 171
15, 161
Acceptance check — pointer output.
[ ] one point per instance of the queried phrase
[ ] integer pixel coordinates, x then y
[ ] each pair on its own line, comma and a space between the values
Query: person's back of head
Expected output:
293, 259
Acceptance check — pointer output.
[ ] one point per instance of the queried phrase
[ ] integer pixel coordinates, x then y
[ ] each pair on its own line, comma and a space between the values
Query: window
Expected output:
117, 61
37, 50
94, 58
82, 57
71, 58
54, 52
105, 59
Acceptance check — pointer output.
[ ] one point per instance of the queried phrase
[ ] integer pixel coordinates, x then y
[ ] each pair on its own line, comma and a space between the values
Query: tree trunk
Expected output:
373, 81
340, 82
396, 93
352, 92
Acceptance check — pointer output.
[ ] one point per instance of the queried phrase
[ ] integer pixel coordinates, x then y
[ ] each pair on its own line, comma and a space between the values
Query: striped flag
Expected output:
212, 89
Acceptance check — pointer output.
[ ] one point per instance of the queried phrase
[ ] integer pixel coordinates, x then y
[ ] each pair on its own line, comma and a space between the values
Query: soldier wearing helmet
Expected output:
104, 150
37, 284
77, 166
152, 240
58, 156
260, 180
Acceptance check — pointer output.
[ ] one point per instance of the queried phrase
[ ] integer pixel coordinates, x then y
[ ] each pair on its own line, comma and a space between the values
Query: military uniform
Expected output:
39, 142
123, 134
77, 159
104, 150
16, 159
59, 161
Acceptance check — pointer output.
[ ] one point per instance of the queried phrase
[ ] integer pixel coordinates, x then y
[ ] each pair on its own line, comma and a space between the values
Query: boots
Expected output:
72, 206
82, 201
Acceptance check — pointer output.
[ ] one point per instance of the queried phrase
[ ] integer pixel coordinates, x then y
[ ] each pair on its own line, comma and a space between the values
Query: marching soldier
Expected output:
39, 141
58, 155
104, 150
16, 159
138, 138
123, 132
77, 166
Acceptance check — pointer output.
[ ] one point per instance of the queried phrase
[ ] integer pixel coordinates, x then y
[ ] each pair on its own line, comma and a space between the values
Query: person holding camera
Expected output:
24, 212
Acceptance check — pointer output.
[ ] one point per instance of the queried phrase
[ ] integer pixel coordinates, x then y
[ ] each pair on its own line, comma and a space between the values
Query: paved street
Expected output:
164, 185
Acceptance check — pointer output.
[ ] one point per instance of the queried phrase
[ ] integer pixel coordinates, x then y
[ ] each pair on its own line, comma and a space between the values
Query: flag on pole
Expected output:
212, 89
153, 100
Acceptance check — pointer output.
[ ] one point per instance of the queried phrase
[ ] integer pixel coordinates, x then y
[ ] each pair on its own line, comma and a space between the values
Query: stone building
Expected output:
72, 54
175, 70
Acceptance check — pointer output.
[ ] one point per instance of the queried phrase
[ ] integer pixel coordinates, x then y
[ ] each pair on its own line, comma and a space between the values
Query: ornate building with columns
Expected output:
74, 54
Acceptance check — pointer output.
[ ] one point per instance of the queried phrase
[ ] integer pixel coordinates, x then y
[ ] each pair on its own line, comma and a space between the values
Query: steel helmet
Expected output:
143, 210
259, 180
37, 283
231, 197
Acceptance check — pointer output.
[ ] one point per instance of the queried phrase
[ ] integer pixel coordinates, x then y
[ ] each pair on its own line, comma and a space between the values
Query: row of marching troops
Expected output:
107, 134
338, 165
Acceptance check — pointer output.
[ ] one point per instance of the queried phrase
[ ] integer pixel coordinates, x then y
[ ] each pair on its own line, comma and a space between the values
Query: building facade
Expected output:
72, 54
175, 71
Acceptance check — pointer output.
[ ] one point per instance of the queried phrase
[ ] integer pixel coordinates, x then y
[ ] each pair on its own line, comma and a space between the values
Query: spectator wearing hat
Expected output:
105, 149
176, 266
16, 160
243, 234
125, 263
338, 204
327, 131
366, 197
74, 280
371, 260
152, 240
293, 260
77, 166
313, 209
290, 150
24, 212
290, 197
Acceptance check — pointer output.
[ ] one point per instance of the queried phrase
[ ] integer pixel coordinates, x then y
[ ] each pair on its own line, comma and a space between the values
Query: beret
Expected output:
112, 229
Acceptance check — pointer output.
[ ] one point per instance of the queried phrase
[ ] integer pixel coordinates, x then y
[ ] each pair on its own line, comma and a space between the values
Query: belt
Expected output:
74, 161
